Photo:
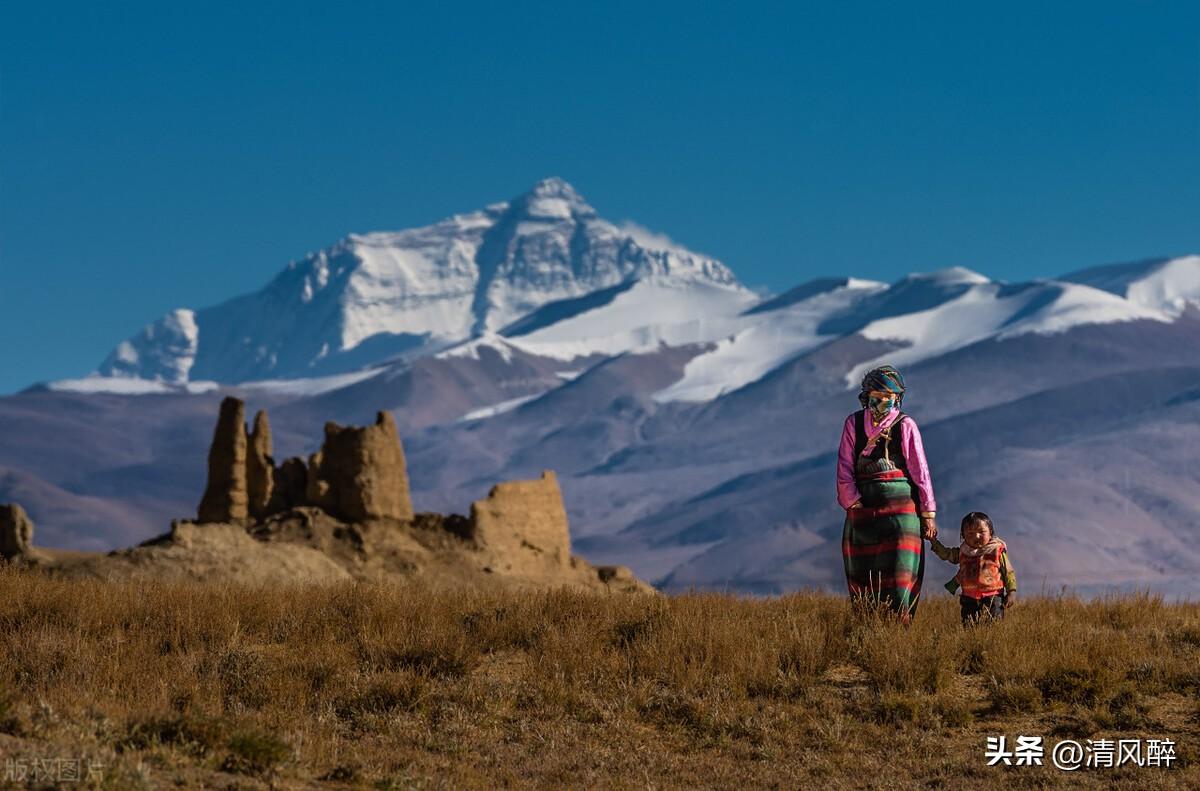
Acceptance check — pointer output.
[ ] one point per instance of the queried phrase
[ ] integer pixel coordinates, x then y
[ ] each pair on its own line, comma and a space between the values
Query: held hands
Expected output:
929, 527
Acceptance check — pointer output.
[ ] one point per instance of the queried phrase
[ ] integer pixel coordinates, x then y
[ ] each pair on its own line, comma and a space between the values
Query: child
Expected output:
987, 578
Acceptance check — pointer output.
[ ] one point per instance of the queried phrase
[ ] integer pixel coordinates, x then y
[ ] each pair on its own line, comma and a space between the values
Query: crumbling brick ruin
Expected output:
523, 515
225, 498
260, 468
359, 475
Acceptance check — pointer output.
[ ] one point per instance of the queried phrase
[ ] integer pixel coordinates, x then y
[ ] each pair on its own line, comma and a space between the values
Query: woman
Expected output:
883, 483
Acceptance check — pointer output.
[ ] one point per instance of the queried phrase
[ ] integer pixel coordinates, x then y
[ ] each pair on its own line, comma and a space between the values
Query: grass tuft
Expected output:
254, 751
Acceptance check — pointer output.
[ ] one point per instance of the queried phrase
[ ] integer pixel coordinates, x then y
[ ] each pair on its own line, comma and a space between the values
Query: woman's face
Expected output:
976, 534
880, 400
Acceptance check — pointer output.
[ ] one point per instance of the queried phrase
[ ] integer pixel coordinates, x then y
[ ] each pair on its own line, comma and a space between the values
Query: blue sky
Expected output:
173, 154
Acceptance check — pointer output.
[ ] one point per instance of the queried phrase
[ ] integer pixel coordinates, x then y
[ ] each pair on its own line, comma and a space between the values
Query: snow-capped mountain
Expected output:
1164, 284
378, 296
545, 274
976, 309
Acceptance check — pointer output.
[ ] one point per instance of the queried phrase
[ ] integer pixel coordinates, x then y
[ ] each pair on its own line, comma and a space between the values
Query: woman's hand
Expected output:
1010, 599
857, 504
929, 527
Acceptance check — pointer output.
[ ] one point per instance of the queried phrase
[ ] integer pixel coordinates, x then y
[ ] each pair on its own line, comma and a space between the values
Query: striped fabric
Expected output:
882, 548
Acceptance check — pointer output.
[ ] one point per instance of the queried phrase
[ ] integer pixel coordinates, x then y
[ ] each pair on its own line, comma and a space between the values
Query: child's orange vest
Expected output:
980, 575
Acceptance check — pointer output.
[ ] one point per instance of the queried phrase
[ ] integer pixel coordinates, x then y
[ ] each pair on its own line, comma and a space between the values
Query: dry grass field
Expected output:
151, 685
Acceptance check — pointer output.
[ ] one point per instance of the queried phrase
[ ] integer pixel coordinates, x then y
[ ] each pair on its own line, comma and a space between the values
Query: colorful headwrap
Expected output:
885, 378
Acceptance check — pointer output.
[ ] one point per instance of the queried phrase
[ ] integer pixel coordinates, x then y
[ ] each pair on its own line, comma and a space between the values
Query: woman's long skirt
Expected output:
882, 547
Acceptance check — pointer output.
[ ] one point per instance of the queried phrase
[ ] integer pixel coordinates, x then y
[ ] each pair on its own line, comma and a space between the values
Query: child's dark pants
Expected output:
975, 609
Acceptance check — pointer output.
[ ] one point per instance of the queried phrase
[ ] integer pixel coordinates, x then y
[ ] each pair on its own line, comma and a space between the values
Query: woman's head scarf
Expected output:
884, 378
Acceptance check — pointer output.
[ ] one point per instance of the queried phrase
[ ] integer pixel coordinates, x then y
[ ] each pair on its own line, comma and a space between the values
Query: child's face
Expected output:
976, 534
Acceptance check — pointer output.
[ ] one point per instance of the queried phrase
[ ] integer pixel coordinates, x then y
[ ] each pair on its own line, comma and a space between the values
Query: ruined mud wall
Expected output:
358, 475
523, 522
225, 497
16, 531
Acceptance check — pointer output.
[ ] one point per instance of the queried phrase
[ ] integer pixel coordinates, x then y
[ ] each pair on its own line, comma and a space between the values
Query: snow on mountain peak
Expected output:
556, 189
651, 240
992, 310
386, 295
1170, 287
501, 346
1062, 306
554, 199
550, 245
814, 289
163, 351
768, 335
1166, 284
